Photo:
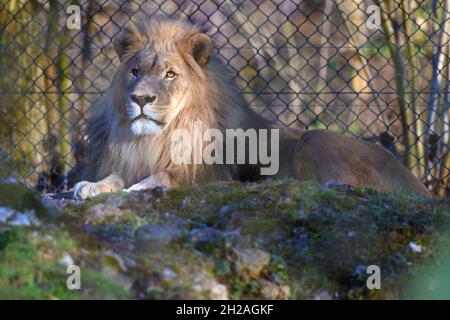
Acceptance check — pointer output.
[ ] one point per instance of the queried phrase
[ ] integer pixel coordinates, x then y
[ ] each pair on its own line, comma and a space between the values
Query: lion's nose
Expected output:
142, 100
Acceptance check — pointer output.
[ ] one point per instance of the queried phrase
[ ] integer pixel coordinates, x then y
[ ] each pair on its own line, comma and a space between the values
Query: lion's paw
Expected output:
139, 187
151, 182
85, 190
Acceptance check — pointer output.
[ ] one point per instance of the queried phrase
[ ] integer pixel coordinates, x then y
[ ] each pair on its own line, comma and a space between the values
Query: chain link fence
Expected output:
377, 70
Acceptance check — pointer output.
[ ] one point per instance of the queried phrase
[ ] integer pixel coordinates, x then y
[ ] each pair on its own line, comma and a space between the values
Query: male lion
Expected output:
169, 78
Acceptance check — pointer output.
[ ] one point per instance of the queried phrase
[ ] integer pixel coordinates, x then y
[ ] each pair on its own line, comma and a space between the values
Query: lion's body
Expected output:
210, 95
113, 148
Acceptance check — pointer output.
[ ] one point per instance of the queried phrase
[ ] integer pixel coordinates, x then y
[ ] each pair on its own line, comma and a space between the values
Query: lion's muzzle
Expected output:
143, 116
143, 100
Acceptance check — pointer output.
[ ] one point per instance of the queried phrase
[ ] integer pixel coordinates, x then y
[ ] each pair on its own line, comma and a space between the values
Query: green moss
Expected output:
320, 239
30, 268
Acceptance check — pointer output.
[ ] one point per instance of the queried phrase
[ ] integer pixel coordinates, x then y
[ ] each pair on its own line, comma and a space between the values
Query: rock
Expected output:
225, 213
205, 235
206, 287
101, 213
5, 214
323, 295
271, 291
250, 262
417, 248
225, 209
155, 237
24, 219
285, 292
107, 212
12, 217
66, 260
275, 239
168, 275
178, 222
17, 197
192, 284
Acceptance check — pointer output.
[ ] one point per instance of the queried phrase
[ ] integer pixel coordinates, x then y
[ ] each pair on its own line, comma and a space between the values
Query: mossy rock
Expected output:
280, 239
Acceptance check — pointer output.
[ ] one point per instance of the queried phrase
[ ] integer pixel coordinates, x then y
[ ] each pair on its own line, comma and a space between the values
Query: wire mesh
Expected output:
377, 70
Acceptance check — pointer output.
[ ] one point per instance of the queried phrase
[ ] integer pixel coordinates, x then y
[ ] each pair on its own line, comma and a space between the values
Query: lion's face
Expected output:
156, 83
158, 74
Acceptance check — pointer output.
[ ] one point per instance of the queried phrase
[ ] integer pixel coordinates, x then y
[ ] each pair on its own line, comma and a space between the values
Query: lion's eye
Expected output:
134, 72
170, 75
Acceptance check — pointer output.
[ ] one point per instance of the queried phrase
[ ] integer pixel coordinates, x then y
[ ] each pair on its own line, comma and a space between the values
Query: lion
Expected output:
169, 77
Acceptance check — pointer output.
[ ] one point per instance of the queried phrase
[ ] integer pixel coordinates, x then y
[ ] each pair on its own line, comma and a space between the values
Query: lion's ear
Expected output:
199, 46
125, 39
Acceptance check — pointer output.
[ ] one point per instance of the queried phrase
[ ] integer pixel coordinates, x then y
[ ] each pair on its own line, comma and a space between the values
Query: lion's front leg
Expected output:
160, 179
84, 189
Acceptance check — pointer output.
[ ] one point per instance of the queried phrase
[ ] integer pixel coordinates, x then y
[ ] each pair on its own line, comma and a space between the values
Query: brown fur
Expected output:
214, 98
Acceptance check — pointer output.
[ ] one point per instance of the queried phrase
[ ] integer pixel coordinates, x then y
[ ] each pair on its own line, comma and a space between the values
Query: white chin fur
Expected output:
143, 127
